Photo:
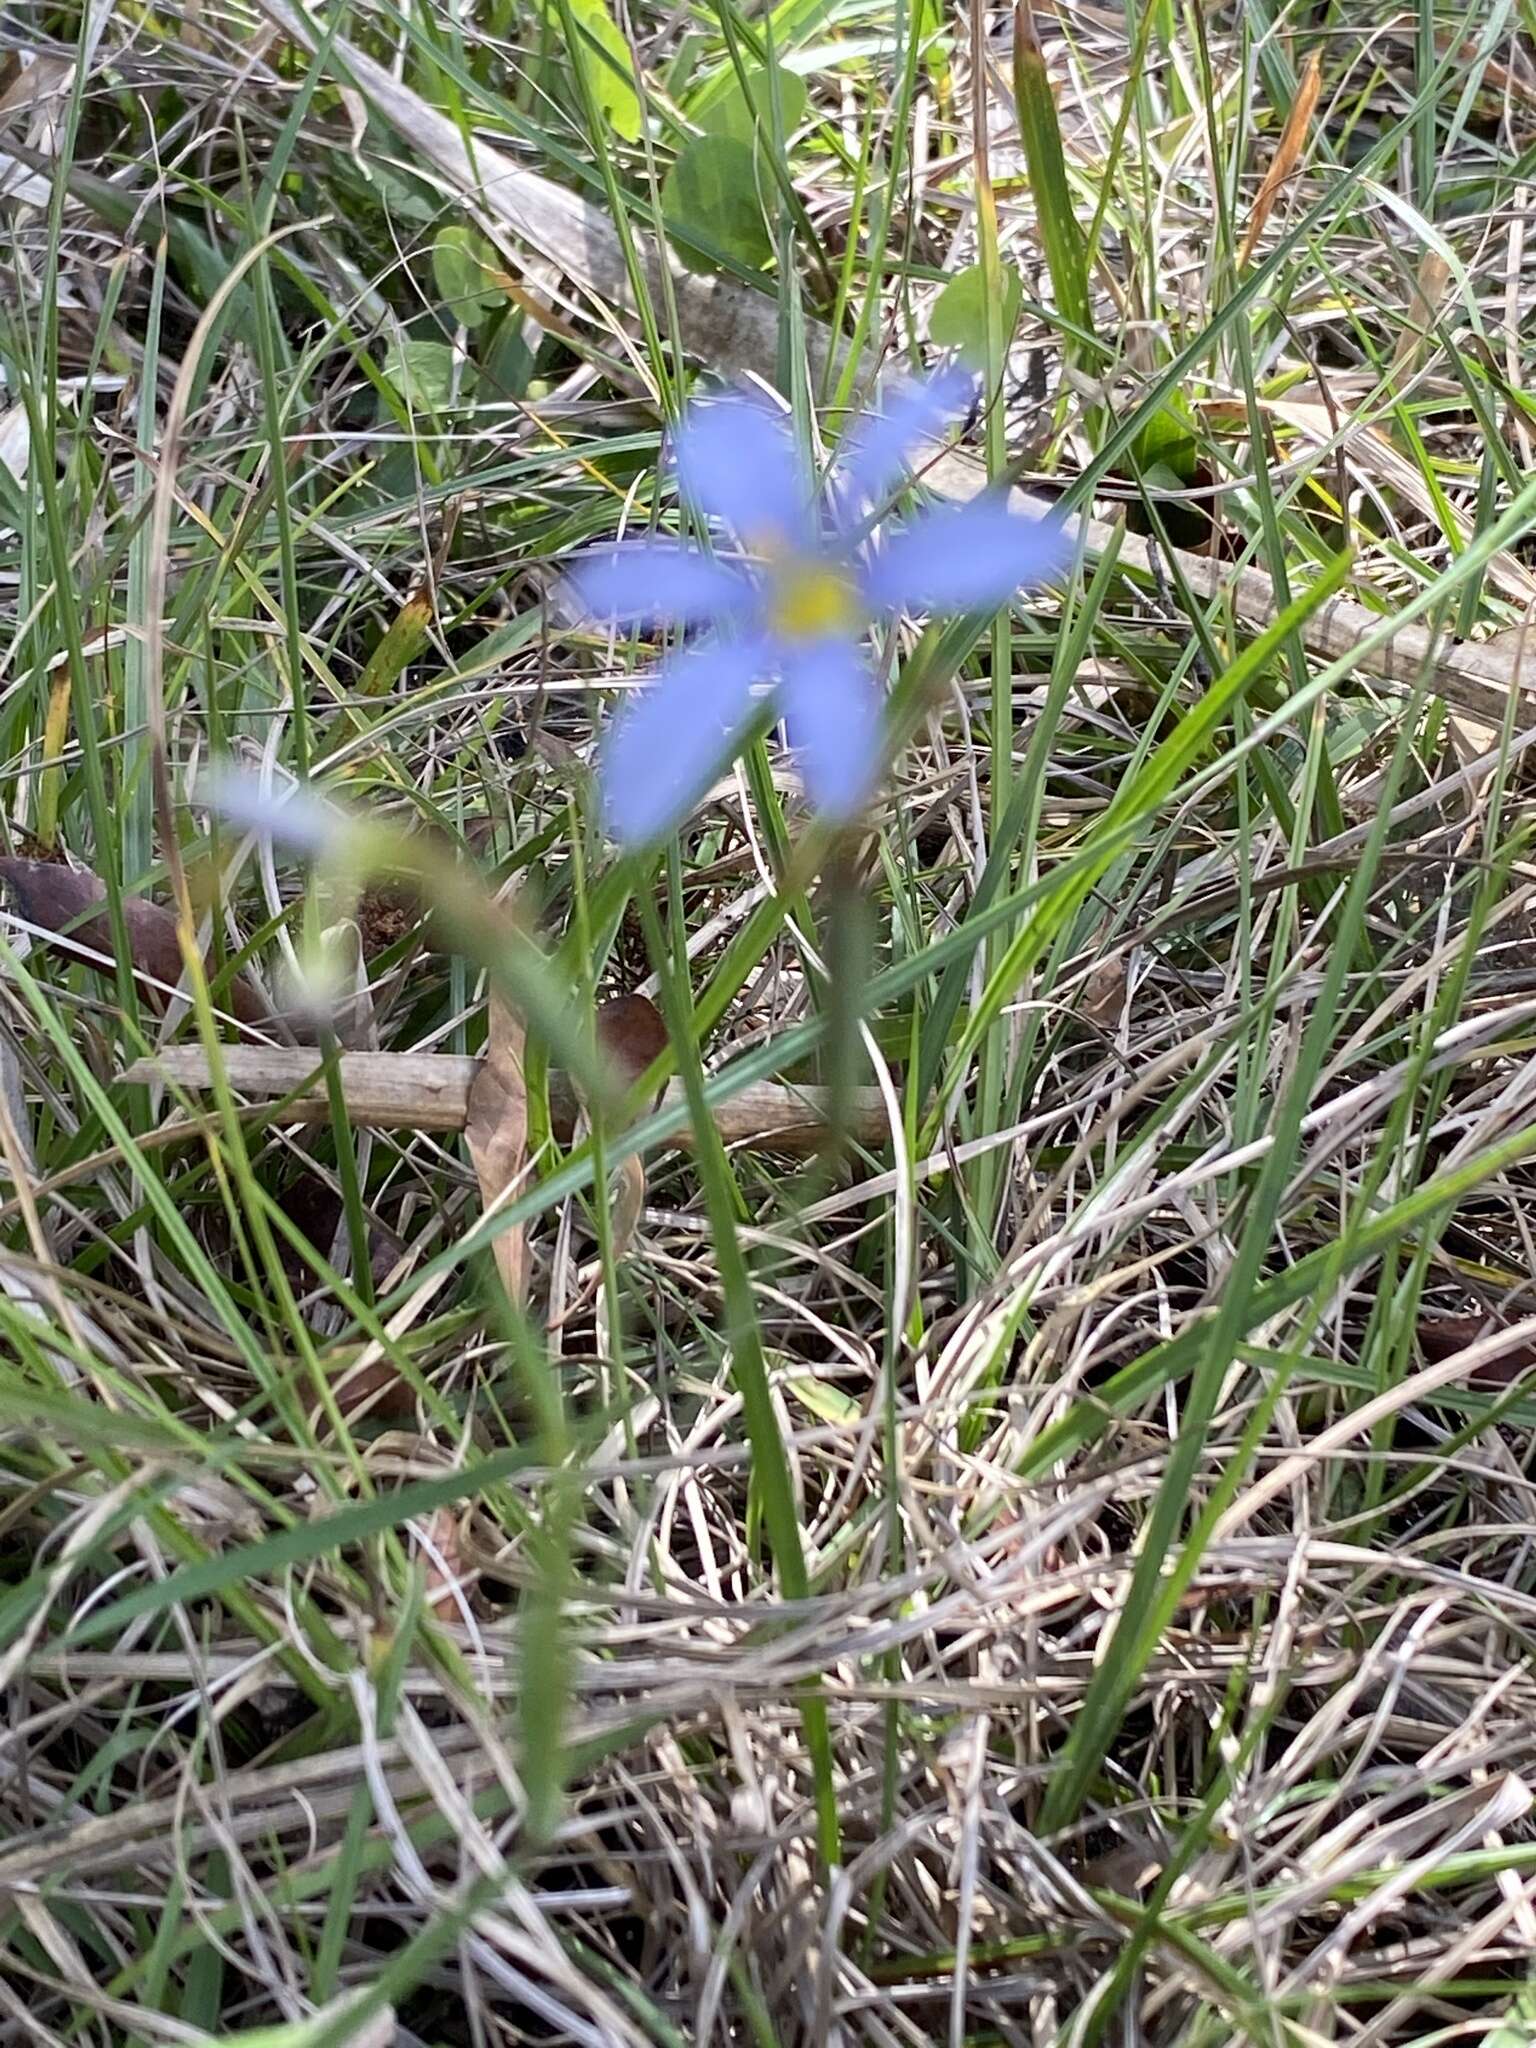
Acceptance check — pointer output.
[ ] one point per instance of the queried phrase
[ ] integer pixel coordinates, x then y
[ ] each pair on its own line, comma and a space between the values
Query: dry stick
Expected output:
496, 1132
733, 328
428, 1091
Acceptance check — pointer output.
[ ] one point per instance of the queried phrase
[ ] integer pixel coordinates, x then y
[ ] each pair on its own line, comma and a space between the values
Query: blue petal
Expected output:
665, 747
642, 580
737, 461
970, 559
291, 815
876, 450
832, 709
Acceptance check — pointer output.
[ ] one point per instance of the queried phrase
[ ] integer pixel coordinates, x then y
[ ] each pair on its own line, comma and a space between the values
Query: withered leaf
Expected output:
630, 1035
1442, 1337
1287, 152
61, 899
631, 1032
446, 1565
497, 1135
376, 1389
1103, 996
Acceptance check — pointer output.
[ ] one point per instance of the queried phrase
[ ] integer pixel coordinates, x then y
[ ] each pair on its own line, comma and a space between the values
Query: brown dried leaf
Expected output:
1292, 139
61, 899
1126, 1869
1442, 1337
1425, 299
497, 1135
1103, 996
376, 1389
631, 1032
445, 1563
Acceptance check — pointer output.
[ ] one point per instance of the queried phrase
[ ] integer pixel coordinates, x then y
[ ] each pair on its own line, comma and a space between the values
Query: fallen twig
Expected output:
430, 1092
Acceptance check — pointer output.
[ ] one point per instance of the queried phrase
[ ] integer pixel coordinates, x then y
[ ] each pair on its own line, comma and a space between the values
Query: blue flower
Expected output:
293, 816
791, 612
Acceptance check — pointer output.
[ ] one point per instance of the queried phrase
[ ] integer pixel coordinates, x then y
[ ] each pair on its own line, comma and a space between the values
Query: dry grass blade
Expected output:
1287, 155
496, 1132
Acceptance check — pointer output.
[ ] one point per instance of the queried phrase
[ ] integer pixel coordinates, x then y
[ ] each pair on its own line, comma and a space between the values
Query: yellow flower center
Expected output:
809, 601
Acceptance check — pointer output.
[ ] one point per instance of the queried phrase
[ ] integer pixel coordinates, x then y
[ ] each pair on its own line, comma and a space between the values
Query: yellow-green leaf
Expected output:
399, 646
610, 72
827, 1403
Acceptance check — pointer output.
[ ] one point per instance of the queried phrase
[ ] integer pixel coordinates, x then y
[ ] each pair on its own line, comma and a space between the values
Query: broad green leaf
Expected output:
712, 193
1040, 131
506, 361
423, 373
1167, 441
609, 68
959, 316
733, 113
461, 270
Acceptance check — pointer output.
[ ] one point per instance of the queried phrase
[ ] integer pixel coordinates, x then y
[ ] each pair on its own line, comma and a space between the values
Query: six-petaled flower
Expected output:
791, 609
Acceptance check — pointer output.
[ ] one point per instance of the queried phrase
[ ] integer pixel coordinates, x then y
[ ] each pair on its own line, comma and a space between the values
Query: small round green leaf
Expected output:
732, 113
712, 193
423, 374
959, 316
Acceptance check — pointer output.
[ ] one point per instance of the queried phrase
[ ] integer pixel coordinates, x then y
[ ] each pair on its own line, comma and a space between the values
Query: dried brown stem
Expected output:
430, 1092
